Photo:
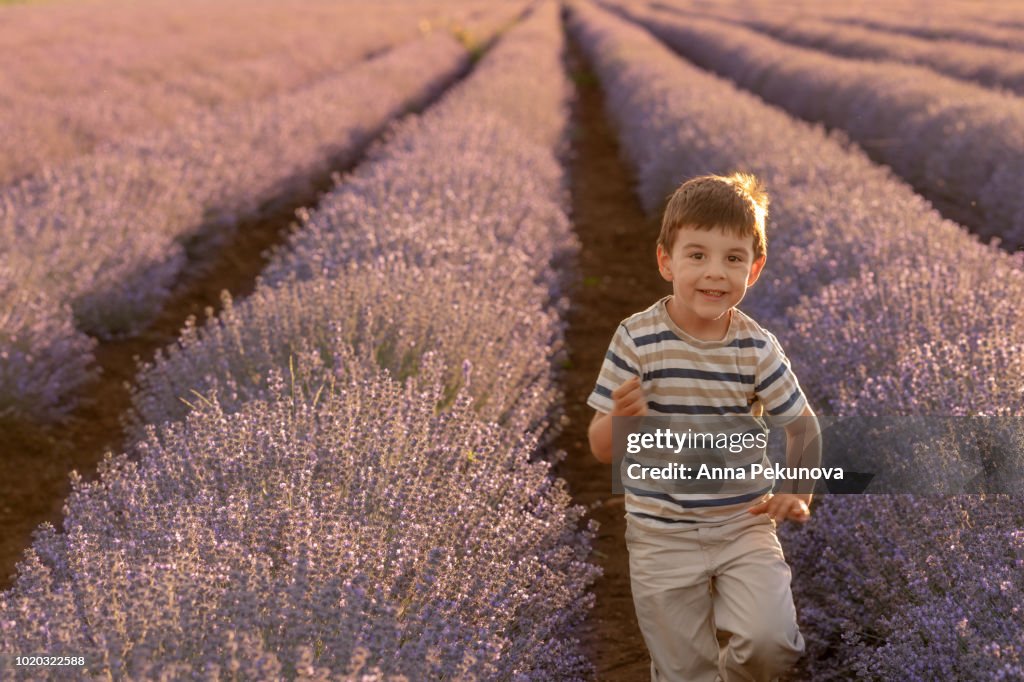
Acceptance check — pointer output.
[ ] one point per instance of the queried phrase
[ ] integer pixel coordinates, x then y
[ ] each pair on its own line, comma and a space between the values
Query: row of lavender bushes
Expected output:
1007, 34
44, 359
87, 77
130, 207
867, 286
352, 484
988, 23
992, 67
958, 141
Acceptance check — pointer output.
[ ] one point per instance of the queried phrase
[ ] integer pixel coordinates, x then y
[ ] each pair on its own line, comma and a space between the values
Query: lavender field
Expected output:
292, 311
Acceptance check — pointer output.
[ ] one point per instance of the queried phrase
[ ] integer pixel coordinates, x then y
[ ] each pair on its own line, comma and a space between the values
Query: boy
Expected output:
708, 566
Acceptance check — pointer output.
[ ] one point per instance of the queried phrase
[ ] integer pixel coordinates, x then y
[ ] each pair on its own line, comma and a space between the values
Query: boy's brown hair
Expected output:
738, 203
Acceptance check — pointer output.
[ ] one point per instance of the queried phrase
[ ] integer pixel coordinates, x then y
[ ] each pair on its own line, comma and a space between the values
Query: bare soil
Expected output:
616, 276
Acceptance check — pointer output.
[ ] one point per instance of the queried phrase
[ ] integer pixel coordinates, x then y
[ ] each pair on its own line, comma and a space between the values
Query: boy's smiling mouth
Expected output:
713, 293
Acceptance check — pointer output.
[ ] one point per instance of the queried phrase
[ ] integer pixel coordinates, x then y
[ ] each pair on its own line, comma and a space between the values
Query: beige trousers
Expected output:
693, 587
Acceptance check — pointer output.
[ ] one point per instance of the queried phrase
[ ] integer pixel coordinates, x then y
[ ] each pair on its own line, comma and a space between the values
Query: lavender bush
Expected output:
390, 313
992, 67
355, 516
44, 360
835, 219
955, 320
978, 24
446, 188
948, 29
960, 141
914, 588
983, 23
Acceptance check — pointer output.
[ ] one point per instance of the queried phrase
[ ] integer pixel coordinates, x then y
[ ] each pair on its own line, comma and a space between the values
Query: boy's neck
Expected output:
700, 329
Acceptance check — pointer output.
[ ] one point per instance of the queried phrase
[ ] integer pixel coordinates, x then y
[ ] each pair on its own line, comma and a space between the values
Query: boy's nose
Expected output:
715, 272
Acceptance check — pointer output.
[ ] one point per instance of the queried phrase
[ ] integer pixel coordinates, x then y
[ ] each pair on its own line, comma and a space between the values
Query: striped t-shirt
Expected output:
727, 382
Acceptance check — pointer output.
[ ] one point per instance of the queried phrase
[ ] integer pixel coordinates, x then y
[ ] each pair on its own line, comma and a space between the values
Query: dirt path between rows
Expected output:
616, 277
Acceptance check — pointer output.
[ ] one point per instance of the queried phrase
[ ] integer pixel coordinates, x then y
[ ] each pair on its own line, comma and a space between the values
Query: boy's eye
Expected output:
696, 256
735, 259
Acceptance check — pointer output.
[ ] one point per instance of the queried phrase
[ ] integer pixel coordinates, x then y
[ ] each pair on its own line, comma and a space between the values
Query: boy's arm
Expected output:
803, 444
600, 435
629, 401
803, 449
785, 404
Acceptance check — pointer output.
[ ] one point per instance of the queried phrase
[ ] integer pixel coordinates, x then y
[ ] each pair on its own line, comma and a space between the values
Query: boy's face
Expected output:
710, 271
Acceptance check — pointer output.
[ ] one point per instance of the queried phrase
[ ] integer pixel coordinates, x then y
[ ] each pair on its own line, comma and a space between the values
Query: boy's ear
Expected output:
755, 270
664, 264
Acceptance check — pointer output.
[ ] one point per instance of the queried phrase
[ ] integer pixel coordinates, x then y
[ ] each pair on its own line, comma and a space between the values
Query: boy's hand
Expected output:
784, 506
629, 399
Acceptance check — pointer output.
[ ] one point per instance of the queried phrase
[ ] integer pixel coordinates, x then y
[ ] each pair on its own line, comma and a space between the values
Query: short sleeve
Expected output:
621, 363
776, 386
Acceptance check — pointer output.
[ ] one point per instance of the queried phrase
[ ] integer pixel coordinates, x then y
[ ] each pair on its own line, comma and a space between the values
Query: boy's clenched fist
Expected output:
629, 399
